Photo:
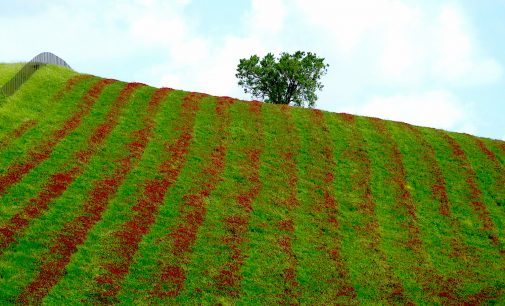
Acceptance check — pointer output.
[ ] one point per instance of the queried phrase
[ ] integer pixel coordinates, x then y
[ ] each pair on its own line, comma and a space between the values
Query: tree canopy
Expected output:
292, 78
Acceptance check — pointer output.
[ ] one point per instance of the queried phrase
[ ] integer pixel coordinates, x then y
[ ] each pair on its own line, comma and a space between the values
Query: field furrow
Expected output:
75, 232
320, 246
283, 196
19, 131
423, 279
236, 225
439, 192
488, 173
497, 180
501, 146
475, 257
475, 195
362, 238
442, 231
69, 85
43, 150
49, 113
169, 281
286, 226
59, 181
220, 248
124, 242
122, 193
87, 262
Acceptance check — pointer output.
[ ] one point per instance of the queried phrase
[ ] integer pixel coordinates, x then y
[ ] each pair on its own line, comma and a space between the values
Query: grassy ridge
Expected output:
122, 193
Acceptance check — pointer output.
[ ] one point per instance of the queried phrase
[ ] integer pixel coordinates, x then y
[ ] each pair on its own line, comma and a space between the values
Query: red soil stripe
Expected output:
431, 282
327, 203
482, 146
146, 208
228, 280
288, 166
501, 145
475, 196
74, 233
489, 293
27, 125
439, 189
193, 210
404, 198
69, 85
42, 152
60, 181
500, 176
391, 289
17, 132
439, 192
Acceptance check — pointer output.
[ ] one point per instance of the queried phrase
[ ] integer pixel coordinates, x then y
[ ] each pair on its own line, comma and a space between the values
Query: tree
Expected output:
293, 78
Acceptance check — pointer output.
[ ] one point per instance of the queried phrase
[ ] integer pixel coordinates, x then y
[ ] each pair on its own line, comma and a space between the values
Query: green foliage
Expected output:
293, 78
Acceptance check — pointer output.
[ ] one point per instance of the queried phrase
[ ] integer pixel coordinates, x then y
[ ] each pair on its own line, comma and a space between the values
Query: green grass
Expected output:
304, 207
7, 71
211, 253
64, 208
264, 279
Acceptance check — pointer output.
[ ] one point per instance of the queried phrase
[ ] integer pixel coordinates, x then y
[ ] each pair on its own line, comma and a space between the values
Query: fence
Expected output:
29, 69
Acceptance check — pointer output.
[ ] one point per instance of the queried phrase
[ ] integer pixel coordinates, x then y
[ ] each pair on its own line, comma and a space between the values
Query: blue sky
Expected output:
431, 63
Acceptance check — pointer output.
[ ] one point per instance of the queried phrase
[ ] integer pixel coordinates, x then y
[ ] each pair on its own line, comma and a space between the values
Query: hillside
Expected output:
123, 193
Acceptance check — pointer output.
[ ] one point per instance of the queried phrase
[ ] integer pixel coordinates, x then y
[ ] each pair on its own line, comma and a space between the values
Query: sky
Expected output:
431, 63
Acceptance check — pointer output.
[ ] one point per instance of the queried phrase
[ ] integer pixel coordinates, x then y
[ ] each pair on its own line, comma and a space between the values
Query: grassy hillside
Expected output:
123, 193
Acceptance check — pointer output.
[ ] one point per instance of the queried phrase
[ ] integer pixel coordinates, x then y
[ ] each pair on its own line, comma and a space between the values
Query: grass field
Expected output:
120, 193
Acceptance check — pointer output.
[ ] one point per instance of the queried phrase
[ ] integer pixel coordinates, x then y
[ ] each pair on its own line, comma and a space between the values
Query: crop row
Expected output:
131, 194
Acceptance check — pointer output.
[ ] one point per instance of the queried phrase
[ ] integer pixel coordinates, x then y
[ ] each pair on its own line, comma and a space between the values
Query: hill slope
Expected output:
122, 193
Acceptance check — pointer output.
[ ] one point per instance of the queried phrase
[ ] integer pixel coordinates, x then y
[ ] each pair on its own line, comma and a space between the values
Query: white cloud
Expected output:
439, 109
217, 74
78, 33
388, 46
388, 42
456, 52
266, 16
171, 80
406, 43
210, 66
344, 22
161, 24
212, 73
